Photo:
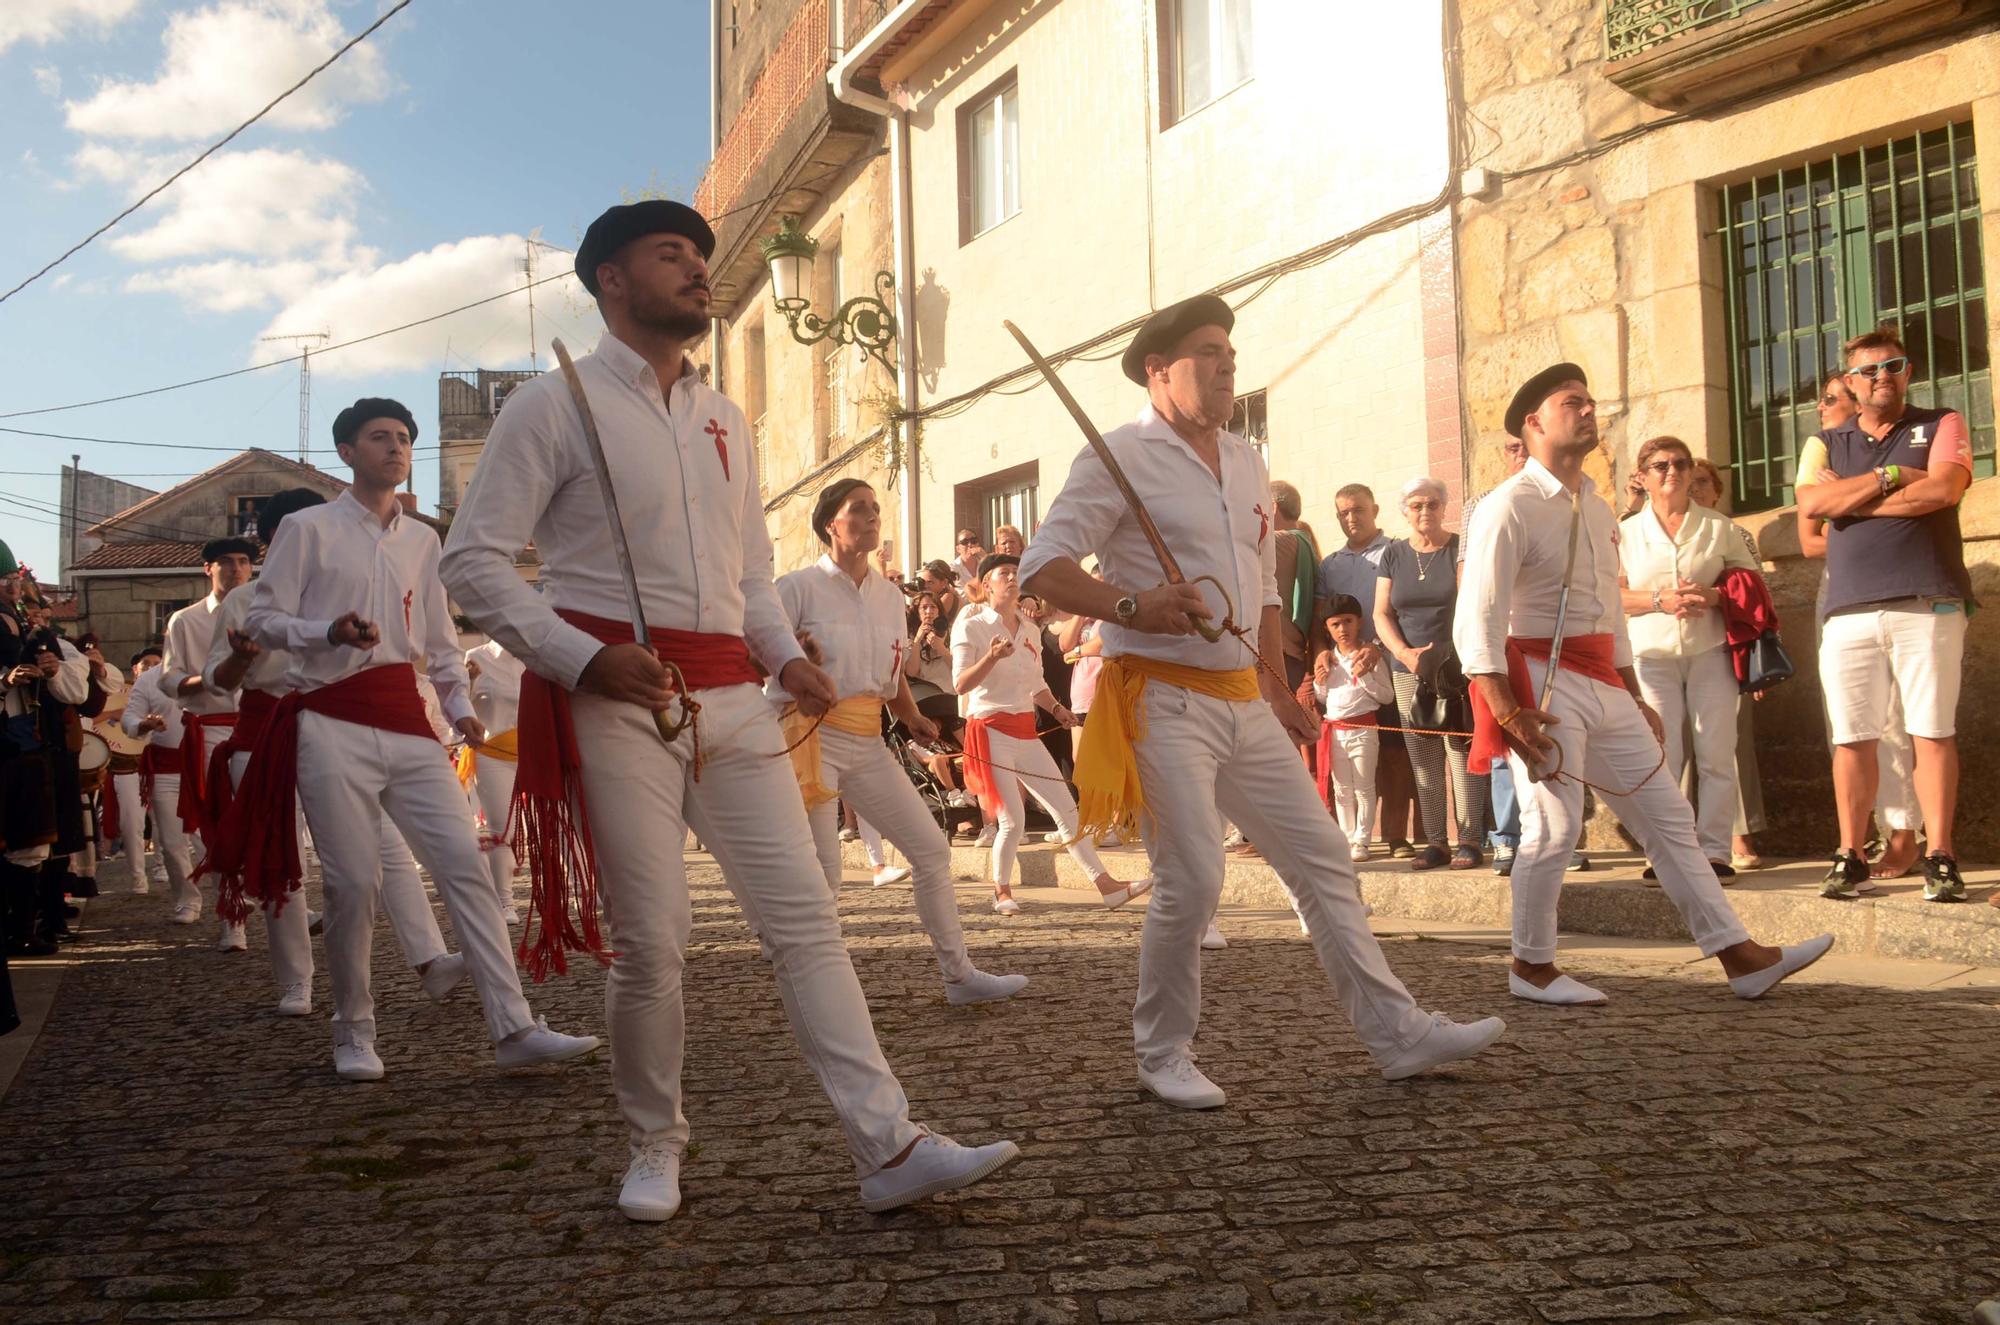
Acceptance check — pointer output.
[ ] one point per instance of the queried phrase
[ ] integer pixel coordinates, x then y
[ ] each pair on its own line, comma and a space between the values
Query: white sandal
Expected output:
1119, 896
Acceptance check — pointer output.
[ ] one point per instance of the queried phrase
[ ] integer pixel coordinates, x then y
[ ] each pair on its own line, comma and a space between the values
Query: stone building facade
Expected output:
1698, 210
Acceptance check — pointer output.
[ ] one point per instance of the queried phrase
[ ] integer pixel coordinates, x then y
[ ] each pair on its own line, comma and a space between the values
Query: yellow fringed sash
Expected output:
1107, 763
504, 746
858, 715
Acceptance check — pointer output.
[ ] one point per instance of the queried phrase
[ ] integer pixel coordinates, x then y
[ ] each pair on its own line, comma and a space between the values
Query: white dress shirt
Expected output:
190, 633
1014, 681
496, 691
148, 697
1709, 544
267, 669
1213, 528
686, 478
327, 561
860, 628
1348, 695
1512, 581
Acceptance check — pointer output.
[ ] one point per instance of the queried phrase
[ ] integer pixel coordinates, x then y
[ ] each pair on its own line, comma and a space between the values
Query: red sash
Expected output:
194, 767
548, 821
156, 759
1586, 655
253, 713
256, 848
1323, 765
979, 747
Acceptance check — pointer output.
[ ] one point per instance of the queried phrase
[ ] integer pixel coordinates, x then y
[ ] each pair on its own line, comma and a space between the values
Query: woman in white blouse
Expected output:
1672, 555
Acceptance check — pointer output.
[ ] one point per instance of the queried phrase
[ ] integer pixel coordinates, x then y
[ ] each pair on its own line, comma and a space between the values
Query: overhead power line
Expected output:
169, 181
181, 446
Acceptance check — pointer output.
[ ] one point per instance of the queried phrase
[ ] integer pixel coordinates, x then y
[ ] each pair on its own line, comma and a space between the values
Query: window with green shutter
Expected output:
1818, 253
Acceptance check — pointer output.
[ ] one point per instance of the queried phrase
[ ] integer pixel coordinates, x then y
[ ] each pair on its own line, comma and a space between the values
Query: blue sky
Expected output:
402, 182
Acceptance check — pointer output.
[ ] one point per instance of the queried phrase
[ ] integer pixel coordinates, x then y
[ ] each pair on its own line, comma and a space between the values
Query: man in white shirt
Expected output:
1182, 727
129, 786
618, 799
1510, 620
351, 590
496, 699
150, 711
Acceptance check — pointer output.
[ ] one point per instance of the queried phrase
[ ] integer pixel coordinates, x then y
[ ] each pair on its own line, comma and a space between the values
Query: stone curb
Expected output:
1778, 905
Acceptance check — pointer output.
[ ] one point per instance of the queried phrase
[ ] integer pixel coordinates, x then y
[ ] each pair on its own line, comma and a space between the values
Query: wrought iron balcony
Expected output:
1630, 26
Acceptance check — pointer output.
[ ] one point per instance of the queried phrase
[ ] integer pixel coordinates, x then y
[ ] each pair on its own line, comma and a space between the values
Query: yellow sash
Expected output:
1107, 763
858, 715
504, 746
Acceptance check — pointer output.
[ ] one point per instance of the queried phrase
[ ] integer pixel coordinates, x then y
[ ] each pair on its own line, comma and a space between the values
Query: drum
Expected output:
91, 761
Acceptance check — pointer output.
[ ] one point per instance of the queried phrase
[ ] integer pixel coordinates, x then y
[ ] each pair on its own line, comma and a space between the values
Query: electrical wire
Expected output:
168, 182
421, 451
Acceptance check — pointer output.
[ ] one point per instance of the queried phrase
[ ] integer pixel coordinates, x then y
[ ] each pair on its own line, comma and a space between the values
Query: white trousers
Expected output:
131, 823
1351, 780
1044, 781
871, 840
1699, 692
642, 799
1203, 758
865, 775
171, 838
350, 776
493, 792
1604, 737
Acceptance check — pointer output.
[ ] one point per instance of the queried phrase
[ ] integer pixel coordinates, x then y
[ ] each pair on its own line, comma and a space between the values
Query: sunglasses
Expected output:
1666, 467
1893, 367
1833, 398
968, 542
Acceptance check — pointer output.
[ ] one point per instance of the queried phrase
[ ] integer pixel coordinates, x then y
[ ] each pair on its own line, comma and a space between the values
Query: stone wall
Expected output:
120, 609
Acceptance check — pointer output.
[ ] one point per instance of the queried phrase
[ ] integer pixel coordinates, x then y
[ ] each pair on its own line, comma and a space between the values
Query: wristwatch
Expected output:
1126, 608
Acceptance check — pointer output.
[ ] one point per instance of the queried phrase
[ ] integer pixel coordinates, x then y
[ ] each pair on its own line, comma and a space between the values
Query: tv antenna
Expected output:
306, 340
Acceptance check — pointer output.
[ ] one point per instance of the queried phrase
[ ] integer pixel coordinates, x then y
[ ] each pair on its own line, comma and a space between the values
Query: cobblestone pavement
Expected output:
173, 1150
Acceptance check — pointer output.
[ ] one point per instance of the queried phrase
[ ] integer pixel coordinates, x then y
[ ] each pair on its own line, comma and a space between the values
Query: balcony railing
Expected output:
1630, 26
797, 66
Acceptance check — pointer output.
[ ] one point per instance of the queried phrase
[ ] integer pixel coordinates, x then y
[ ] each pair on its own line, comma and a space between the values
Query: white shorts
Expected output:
1905, 648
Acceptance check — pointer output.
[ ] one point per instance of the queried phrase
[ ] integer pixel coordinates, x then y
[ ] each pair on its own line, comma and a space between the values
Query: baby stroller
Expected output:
941, 707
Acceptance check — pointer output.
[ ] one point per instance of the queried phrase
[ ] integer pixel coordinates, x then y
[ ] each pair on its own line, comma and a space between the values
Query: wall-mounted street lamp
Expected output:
864, 320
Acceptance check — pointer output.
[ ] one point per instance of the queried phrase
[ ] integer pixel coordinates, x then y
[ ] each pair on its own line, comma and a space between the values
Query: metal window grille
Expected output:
1250, 421
1019, 506
1822, 252
760, 432
1630, 26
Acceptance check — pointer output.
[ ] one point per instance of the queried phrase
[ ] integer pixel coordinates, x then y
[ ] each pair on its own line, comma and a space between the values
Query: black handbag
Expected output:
1444, 696
1766, 664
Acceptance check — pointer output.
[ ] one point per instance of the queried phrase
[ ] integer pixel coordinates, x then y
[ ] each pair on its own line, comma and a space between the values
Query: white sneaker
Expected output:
140, 887
1563, 991
849, 835
233, 939
186, 915
1212, 940
955, 799
356, 1060
1234, 839
935, 1164
296, 1001
1117, 897
442, 975
1359, 852
538, 1044
979, 987
889, 874
1447, 1042
986, 835
651, 1192
1006, 906
1111, 839
1180, 1083
1054, 839
512, 915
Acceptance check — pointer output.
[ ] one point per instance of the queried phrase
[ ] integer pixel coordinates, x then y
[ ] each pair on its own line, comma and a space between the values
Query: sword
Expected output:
1535, 773
640, 635
1168, 565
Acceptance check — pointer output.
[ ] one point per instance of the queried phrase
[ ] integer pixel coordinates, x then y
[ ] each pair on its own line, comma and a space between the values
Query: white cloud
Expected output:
230, 285
44, 21
223, 62
361, 302
48, 80
264, 203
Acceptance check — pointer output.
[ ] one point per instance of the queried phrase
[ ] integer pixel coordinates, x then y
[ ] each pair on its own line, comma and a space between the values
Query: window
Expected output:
161, 612
1248, 422
833, 359
1204, 52
243, 513
760, 435
1823, 252
1017, 506
989, 159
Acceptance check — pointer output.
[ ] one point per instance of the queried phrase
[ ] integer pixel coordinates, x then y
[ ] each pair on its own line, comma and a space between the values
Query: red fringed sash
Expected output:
253, 714
979, 747
549, 822
1586, 655
256, 849
194, 768
1323, 751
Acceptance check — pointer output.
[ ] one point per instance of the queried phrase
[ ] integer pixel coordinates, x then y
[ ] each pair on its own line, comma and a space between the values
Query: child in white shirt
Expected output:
1351, 681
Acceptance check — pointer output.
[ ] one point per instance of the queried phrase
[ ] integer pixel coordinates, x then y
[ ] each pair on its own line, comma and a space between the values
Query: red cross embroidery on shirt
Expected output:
896, 655
1263, 524
718, 432
408, 594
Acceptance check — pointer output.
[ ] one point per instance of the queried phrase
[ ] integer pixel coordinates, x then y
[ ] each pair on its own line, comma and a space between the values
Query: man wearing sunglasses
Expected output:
970, 551
1896, 599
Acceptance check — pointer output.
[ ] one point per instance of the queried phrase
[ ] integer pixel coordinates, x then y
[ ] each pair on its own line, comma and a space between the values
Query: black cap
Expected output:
1164, 329
151, 650
829, 504
215, 549
994, 560
620, 225
348, 423
1537, 389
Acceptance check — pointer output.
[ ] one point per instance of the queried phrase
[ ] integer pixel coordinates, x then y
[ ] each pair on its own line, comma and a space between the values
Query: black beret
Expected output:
348, 423
215, 549
1344, 604
620, 225
278, 505
829, 503
1164, 329
150, 651
1537, 389
993, 561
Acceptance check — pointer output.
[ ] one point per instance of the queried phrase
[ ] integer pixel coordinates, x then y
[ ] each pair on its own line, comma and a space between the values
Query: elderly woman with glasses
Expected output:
1416, 589
1672, 554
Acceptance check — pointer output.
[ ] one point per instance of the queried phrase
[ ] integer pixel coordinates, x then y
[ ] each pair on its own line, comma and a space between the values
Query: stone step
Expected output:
1779, 904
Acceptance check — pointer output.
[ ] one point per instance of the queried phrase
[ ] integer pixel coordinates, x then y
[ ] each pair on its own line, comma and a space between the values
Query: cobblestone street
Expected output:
174, 1150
